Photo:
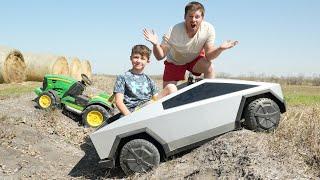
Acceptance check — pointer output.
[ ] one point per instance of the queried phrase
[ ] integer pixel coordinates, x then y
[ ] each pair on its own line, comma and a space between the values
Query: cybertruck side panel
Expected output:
103, 139
177, 127
275, 89
196, 122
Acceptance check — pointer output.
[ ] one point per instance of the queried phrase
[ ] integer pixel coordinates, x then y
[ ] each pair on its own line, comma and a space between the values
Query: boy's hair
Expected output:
194, 6
142, 50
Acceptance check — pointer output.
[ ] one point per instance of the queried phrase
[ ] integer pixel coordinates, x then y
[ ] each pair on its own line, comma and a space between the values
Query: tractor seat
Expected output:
82, 100
76, 89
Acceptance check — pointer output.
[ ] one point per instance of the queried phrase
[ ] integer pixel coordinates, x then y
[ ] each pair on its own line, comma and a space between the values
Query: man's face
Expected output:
138, 61
193, 21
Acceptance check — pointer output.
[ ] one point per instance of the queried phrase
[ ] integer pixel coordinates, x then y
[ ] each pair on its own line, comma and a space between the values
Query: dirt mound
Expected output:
236, 154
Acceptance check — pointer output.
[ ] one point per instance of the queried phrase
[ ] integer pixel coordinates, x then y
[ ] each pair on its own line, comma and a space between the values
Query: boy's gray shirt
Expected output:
136, 88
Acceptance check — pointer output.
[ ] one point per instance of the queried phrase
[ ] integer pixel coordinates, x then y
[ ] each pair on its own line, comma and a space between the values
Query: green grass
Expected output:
306, 95
294, 94
8, 90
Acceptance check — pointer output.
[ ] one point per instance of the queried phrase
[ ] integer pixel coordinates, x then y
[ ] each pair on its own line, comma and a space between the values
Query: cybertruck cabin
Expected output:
187, 118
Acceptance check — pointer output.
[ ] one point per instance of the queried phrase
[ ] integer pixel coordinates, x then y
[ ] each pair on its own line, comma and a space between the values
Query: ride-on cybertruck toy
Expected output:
66, 92
187, 118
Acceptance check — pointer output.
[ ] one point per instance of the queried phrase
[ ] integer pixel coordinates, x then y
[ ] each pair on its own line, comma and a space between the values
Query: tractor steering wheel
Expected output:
85, 79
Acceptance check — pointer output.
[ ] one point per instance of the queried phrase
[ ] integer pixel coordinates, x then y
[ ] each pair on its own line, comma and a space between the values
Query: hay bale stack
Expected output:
39, 65
86, 68
12, 65
75, 69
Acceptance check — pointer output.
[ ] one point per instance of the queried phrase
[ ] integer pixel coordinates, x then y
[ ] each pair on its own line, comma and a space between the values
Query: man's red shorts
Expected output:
174, 72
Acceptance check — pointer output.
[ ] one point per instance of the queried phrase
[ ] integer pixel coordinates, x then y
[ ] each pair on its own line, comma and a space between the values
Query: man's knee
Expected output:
210, 69
166, 83
202, 66
171, 88
210, 74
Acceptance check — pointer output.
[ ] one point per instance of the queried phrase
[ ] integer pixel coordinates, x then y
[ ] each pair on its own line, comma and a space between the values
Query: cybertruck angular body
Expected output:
187, 118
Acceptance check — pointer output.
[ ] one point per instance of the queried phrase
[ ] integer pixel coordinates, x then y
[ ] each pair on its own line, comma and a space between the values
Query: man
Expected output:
188, 46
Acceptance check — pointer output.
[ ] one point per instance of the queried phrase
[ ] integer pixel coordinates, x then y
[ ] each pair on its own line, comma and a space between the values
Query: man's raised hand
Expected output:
150, 36
228, 44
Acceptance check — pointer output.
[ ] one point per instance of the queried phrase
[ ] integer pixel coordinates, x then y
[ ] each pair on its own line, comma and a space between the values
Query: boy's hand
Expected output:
150, 36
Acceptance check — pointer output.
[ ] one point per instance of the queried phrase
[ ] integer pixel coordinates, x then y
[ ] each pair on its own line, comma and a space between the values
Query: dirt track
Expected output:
39, 144
49, 145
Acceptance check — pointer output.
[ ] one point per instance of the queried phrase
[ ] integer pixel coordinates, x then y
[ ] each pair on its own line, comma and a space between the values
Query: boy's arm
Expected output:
120, 105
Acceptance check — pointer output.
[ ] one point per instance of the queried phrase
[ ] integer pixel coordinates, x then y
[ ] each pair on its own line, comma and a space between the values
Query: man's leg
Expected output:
168, 89
166, 83
204, 66
172, 73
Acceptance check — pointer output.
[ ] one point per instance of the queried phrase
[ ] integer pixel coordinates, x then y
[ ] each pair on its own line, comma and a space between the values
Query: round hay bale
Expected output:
75, 69
61, 66
86, 68
12, 65
38, 65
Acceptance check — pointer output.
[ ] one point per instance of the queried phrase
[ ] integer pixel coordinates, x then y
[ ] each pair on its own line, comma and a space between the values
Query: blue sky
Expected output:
276, 37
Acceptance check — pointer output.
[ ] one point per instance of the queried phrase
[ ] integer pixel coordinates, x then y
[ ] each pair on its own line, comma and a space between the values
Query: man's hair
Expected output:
142, 50
193, 7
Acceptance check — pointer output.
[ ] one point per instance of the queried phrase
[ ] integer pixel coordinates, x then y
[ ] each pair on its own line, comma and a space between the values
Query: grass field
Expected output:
294, 94
306, 95
9, 90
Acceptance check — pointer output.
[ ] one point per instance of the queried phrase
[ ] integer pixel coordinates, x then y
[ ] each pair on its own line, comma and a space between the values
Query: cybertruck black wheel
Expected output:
262, 114
46, 100
138, 155
94, 116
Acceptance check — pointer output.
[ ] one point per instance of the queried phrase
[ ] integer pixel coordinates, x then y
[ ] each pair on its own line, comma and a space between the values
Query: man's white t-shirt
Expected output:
183, 49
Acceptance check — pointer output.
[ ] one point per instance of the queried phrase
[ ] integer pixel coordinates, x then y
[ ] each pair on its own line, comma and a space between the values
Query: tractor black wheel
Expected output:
46, 100
262, 114
94, 116
138, 155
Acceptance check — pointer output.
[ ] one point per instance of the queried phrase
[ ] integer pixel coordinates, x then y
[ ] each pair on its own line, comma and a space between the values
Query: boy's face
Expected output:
138, 61
193, 20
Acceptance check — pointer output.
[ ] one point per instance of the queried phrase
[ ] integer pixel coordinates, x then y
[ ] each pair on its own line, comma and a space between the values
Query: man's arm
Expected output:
159, 51
213, 52
120, 105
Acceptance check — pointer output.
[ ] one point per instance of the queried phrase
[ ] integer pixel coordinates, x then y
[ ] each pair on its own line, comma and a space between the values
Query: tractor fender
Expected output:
106, 106
54, 93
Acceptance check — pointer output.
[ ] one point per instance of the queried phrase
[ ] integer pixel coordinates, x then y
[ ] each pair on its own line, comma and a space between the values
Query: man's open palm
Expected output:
150, 36
228, 44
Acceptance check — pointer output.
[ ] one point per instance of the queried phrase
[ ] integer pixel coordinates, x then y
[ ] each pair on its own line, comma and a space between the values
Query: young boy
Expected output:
134, 88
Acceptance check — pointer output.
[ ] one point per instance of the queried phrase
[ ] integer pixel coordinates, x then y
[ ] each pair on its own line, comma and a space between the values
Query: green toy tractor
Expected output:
67, 93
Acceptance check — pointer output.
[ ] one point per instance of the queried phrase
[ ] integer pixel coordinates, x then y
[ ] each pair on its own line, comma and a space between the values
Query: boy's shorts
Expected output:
174, 72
